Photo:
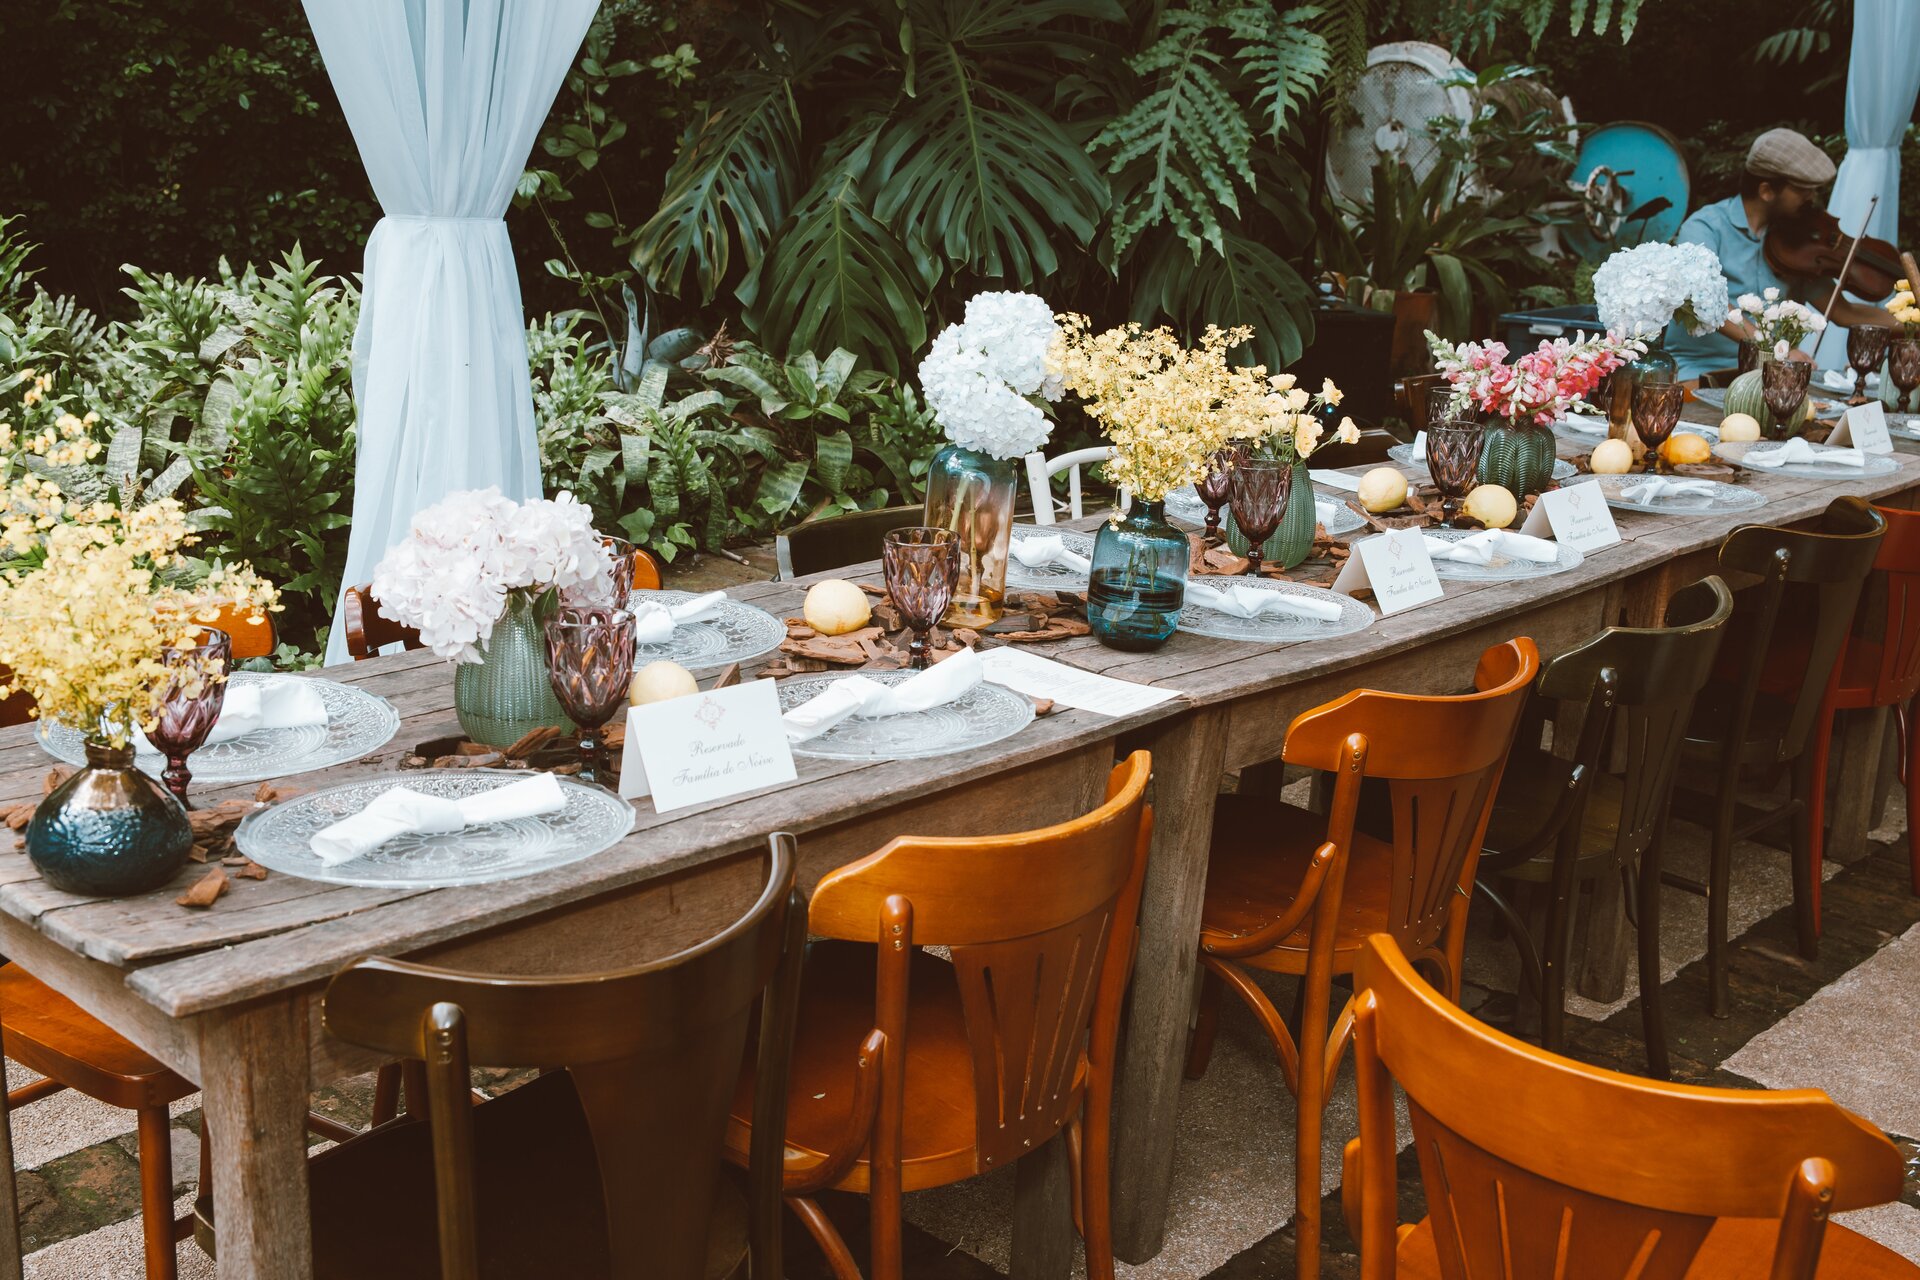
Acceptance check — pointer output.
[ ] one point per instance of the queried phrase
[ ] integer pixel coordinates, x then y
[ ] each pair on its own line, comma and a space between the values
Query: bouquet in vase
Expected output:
1536, 389
1902, 307
1778, 323
1638, 291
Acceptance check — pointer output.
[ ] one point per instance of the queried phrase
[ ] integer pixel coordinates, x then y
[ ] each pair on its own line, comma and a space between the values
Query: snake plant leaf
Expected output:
832, 457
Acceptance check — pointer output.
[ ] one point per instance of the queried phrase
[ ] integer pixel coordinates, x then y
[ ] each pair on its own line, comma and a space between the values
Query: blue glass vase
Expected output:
1139, 579
109, 829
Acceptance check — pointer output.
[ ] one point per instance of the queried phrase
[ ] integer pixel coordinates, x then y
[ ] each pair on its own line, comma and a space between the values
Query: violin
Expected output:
1814, 247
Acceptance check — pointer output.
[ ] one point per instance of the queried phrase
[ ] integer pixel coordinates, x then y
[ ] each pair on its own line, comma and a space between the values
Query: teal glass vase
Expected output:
1292, 542
972, 493
507, 694
110, 829
1139, 579
1517, 456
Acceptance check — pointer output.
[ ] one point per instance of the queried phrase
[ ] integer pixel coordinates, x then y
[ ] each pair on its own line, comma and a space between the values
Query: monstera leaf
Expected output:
1245, 283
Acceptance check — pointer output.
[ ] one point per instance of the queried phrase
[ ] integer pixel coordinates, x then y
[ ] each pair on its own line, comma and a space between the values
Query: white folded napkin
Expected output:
653, 622
1801, 453
1250, 602
402, 811
1660, 487
1482, 547
1587, 424
859, 696
1038, 553
271, 704
1419, 446
1323, 509
1840, 380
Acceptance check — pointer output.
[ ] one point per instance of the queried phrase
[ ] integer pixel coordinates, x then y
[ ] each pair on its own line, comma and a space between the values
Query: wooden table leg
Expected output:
1188, 756
253, 1074
1043, 1214
1857, 766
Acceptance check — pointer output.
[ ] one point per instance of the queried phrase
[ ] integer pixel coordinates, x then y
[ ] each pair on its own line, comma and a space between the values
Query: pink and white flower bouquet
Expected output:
449, 578
1538, 388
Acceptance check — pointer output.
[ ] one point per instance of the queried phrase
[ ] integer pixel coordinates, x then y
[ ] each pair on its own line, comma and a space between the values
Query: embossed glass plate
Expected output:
1904, 425
1823, 405
1049, 577
1500, 568
279, 838
1403, 454
984, 714
732, 632
1726, 499
1275, 628
358, 723
1335, 514
1878, 464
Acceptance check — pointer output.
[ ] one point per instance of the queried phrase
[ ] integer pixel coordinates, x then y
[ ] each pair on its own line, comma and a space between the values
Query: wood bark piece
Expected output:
206, 889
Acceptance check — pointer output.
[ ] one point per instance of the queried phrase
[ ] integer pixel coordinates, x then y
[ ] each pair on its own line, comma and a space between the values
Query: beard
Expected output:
1798, 227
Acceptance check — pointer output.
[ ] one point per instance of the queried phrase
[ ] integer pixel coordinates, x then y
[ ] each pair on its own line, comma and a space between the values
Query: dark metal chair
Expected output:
815, 546
1372, 446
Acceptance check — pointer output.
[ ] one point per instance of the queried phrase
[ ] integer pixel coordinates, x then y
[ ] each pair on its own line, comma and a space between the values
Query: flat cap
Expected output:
1783, 153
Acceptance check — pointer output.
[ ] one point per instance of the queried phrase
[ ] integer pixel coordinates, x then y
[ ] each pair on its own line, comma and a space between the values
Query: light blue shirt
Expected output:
1722, 227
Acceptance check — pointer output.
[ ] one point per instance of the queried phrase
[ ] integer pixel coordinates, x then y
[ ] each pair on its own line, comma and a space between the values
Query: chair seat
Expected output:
836, 1015
50, 1034
1736, 1249
1707, 728
1537, 781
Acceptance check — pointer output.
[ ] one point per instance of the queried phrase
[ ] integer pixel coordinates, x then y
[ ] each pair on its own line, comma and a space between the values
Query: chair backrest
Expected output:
1895, 588
1372, 446
251, 634
16, 708
1040, 927
654, 1052
1577, 1172
1040, 473
1825, 568
815, 546
1440, 759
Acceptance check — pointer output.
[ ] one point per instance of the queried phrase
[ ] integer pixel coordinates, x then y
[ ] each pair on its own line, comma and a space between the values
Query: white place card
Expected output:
1337, 480
1039, 677
1396, 565
1574, 514
705, 746
1864, 427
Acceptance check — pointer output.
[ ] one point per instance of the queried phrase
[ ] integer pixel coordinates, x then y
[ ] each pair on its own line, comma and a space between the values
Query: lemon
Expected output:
1683, 447
1383, 489
658, 681
1492, 506
835, 607
1611, 458
1737, 427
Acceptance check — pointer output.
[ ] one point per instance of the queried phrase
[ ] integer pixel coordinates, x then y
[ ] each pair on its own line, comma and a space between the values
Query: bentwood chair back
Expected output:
1585, 1174
650, 1056
816, 546
1040, 473
911, 1072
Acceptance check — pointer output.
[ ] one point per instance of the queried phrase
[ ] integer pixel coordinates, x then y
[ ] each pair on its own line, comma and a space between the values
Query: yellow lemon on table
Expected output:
835, 607
658, 681
1738, 427
1611, 458
1683, 447
1383, 489
1492, 506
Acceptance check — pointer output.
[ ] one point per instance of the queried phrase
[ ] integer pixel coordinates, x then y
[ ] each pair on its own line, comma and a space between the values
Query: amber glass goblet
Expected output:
196, 691
1656, 412
1260, 488
1783, 385
921, 565
590, 666
1903, 366
1866, 347
1453, 459
1217, 485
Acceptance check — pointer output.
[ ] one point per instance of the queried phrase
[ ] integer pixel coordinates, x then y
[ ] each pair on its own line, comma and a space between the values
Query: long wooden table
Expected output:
227, 996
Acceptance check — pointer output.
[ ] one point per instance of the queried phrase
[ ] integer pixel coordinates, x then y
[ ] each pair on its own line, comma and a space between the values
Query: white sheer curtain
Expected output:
445, 99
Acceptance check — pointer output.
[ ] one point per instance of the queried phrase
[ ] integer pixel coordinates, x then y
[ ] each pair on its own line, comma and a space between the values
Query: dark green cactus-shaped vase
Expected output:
1518, 457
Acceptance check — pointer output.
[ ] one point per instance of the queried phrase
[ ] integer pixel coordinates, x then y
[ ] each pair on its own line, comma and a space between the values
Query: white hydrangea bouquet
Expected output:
1778, 323
1639, 290
986, 379
452, 576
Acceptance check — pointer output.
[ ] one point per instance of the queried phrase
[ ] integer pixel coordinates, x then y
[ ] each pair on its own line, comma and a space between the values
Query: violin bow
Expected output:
1840, 281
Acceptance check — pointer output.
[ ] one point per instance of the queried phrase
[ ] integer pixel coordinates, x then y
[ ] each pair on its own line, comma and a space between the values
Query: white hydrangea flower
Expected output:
980, 375
1639, 290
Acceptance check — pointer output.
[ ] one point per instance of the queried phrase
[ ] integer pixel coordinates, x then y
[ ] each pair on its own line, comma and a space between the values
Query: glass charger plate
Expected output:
1500, 569
733, 632
358, 723
278, 838
1878, 464
1336, 515
1275, 628
1403, 454
1726, 499
1904, 425
1049, 577
1824, 406
984, 714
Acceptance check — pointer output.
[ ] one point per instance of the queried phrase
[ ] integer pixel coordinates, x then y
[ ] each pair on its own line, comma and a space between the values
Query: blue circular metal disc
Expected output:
1637, 164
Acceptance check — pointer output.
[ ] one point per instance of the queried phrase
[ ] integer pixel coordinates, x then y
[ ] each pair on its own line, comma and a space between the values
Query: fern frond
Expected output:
1347, 27
1285, 57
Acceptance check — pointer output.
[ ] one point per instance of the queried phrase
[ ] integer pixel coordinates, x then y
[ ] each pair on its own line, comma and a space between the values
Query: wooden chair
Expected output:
1743, 720
11, 1248
1559, 822
912, 1072
1371, 447
1880, 668
1040, 473
607, 1166
815, 546
1535, 1165
1294, 892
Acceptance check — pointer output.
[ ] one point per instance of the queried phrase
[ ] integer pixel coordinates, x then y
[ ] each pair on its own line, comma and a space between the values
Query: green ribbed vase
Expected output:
1292, 542
507, 694
1518, 457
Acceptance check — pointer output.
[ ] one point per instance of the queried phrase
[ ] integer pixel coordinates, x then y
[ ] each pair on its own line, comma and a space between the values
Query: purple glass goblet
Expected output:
1656, 412
922, 566
1903, 366
196, 691
1783, 385
1260, 489
1217, 485
1866, 347
1453, 459
590, 666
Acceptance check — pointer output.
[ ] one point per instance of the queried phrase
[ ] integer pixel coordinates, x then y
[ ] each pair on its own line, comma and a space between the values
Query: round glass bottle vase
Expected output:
1654, 368
972, 494
1518, 456
110, 829
1293, 541
1139, 578
507, 694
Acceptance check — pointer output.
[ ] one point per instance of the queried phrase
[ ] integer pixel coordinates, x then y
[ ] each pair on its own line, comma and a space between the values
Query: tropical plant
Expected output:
1808, 44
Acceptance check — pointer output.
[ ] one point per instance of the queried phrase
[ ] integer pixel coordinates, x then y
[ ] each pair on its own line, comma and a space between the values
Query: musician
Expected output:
1780, 186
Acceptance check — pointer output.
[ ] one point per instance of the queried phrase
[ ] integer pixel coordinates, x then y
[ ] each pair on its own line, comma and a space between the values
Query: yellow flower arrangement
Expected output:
1904, 309
89, 597
1167, 409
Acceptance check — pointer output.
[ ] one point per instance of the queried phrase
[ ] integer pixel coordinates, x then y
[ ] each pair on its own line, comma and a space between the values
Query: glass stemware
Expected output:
1903, 366
196, 691
1656, 411
1260, 488
1747, 356
1866, 347
1783, 385
921, 564
600, 592
1453, 459
590, 666
1215, 487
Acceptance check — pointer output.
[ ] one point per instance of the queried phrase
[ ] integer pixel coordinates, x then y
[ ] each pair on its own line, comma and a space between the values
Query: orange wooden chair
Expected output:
1535, 1165
1295, 892
911, 1072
